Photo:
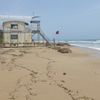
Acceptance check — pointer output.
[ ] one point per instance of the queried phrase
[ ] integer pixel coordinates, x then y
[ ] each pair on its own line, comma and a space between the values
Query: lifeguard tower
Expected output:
20, 31
36, 30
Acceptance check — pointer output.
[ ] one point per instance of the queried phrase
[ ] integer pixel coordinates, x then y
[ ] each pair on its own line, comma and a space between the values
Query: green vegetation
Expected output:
1, 37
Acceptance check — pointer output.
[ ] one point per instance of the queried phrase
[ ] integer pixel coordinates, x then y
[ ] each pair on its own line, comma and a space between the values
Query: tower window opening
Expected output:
14, 26
14, 36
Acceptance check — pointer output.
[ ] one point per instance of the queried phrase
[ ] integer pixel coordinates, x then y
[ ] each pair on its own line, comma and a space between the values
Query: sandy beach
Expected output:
41, 73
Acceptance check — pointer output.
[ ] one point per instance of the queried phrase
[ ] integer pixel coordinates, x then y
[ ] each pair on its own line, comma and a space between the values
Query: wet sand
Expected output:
41, 73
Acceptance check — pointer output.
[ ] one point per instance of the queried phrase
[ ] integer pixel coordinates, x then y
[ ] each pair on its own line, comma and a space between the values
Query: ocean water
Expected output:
92, 44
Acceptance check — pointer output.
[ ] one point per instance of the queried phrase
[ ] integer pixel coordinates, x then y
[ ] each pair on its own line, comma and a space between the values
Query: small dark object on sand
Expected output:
63, 44
64, 73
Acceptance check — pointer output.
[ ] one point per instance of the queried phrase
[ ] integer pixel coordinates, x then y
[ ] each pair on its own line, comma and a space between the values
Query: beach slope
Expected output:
42, 73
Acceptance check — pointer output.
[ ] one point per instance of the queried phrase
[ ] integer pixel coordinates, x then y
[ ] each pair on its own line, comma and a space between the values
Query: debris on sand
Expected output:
64, 50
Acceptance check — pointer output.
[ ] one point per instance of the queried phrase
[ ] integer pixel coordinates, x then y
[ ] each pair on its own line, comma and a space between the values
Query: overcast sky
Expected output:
75, 19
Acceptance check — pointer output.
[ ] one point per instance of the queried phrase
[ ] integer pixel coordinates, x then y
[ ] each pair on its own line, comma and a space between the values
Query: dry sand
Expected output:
41, 73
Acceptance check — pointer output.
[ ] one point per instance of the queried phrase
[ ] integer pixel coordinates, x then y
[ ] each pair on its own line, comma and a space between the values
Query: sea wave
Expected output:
85, 41
94, 44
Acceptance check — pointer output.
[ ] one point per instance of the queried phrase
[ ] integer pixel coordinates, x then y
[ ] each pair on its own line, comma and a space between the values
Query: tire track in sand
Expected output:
31, 80
74, 95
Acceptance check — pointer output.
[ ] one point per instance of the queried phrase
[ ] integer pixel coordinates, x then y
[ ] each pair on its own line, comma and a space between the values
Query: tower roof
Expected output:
15, 21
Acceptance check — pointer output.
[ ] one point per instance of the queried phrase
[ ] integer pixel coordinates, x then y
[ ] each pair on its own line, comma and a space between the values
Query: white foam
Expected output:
86, 46
85, 42
94, 48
